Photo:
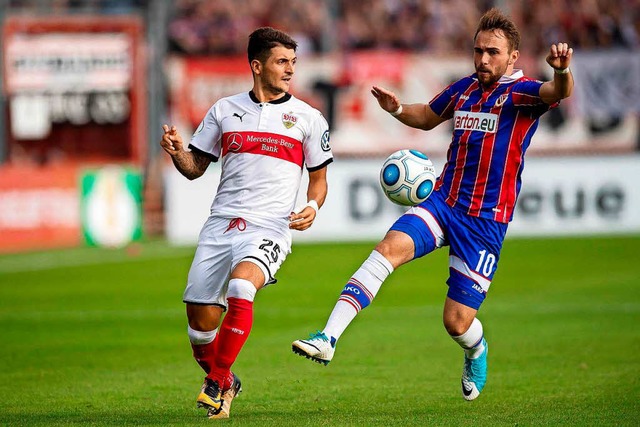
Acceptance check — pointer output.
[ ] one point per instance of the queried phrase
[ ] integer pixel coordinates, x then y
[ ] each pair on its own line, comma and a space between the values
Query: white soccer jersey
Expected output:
264, 147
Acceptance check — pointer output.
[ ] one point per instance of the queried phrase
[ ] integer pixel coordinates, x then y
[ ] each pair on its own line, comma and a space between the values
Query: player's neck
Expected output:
266, 96
509, 71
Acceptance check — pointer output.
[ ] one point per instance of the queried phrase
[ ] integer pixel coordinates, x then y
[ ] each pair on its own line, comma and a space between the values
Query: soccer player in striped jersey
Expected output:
495, 112
264, 138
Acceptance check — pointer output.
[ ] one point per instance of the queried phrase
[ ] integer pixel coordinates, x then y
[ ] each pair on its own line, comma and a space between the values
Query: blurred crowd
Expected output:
585, 24
76, 6
219, 27
203, 27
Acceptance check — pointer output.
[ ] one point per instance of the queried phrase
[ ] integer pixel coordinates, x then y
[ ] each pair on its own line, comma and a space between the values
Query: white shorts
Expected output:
225, 242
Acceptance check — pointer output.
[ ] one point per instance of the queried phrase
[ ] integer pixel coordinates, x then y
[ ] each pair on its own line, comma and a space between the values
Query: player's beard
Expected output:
492, 77
276, 88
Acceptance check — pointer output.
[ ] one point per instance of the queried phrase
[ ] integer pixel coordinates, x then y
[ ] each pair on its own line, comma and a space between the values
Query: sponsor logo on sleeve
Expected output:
324, 141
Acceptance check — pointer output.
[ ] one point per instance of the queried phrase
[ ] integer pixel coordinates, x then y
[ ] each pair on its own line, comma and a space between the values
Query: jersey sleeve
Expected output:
443, 103
208, 136
317, 151
525, 96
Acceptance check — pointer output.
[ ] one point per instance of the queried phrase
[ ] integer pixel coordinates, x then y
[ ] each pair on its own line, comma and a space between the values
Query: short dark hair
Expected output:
494, 19
263, 39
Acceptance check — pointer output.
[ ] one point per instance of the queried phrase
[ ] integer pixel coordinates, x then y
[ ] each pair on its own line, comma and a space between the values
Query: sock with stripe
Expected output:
202, 344
357, 294
234, 330
471, 341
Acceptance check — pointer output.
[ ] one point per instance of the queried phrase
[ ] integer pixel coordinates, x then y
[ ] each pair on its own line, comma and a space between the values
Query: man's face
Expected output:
491, 56
278, 69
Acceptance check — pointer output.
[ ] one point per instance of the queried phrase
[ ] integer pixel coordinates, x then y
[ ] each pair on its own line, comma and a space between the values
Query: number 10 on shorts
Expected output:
485, 263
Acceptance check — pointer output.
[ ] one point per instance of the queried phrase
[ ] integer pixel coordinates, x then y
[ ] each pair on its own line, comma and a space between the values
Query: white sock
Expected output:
201, 337
471, 341
357, 294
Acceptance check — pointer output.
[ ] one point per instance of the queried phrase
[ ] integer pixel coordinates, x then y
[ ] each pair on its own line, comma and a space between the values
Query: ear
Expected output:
514, 57
256, 66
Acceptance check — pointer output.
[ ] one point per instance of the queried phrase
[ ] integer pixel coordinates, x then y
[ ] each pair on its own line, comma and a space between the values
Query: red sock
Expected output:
232, 335
204, 355
228, 382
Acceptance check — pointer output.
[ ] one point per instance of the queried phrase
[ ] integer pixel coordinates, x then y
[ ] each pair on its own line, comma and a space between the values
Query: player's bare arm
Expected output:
317, 191
419, 116
191, 164
561, 86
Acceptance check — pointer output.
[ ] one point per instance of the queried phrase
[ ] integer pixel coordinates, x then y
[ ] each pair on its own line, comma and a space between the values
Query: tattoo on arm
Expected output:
191, 164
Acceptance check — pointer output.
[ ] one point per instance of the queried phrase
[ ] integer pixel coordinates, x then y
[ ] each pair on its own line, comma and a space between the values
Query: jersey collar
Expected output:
515, 76
285, 98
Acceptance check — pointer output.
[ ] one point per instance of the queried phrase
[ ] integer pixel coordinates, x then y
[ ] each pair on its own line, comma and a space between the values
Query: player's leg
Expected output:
205, 301
246, 279
258, 254
475, 250
202, 331
413, 235
357, 295
462, 325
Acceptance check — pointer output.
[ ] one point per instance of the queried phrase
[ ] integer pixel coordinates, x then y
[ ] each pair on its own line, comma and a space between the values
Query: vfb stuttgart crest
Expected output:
289, 120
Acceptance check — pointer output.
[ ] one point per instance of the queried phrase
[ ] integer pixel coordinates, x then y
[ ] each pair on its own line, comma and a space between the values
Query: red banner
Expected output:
39, 208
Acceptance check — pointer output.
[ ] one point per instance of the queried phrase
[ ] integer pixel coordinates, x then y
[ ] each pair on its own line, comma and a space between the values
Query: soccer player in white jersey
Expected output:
264, 139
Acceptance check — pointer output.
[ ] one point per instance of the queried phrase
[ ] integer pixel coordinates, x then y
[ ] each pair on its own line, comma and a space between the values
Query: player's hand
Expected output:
559, 56
388, 100
302, 220
171, 140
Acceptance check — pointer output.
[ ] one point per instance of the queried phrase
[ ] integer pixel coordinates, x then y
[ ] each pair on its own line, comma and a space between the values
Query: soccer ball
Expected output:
407, 177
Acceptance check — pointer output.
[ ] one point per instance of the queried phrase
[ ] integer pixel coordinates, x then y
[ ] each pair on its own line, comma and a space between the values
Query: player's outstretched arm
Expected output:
419, 116
317, 191
561, 86
191, 164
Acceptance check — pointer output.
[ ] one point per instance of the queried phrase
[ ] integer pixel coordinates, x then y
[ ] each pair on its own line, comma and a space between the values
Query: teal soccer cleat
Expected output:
317, 348
474, 374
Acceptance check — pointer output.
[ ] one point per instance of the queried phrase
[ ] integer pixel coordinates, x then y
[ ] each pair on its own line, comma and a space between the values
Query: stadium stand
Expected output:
202, 27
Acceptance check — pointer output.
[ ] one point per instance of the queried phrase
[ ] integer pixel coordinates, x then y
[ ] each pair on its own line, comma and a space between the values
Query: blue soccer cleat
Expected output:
474, 374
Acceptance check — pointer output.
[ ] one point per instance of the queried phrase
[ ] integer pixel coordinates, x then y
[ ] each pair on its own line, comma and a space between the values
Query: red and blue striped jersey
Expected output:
492, 129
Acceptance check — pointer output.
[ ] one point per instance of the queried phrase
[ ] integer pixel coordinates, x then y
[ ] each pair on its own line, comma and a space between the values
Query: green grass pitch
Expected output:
98, 337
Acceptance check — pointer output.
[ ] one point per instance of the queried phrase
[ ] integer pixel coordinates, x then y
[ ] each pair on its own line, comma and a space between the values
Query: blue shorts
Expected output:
474, 242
